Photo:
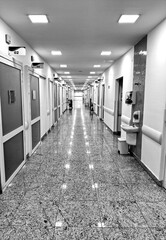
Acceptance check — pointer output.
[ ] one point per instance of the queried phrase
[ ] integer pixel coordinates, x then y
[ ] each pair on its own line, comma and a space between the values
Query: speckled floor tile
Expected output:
122, 214
129, 163
79, 233
15, 191
159, 233
112, 178
127, 234
154, 213
29, 232
136, 177
78, 191
149, 192
113, 199
111, 192
86, 178
79, 214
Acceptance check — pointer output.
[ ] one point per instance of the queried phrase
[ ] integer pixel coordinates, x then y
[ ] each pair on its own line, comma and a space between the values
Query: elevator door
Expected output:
35, 110
11, 120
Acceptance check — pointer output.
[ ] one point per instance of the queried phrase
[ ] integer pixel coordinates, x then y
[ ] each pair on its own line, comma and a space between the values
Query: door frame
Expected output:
116, 107
55, 96
30, 122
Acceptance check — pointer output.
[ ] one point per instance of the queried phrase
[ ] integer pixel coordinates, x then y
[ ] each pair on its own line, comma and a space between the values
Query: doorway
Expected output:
12, 141
102, 101
118, 104
98, 100
35, 111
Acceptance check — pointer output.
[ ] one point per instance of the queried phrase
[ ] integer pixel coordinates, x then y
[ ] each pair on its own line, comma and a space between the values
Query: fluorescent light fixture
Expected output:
66, 72
97, 66
128, 18
68, 76
105, 53
63, 66
57, 53
38, 18
92, 72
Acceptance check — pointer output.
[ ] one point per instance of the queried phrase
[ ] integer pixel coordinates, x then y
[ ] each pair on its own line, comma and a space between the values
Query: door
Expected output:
35, 111
59, 100
55, 103
51, 109
43, 105
12, 150
118, 104
102, 102
98, 101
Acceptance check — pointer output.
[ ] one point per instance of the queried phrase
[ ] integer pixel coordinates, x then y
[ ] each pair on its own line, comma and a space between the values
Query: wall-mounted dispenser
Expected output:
136, 117
130, 97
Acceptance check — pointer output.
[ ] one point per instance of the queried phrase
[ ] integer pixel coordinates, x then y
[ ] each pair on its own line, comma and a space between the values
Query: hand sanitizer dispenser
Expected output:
136, 117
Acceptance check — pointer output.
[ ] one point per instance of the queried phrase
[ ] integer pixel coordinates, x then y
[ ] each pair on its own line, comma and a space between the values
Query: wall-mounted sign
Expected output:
37, 65
17, 50
33, 95
11, 96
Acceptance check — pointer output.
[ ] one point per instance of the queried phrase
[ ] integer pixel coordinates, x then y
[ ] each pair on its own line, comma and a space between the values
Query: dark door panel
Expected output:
13, 154
11, 98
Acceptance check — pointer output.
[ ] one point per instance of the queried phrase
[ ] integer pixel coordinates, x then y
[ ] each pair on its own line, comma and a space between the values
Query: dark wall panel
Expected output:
138, 87
11, 100
58, 95
13, 154
59, 112
35, 98
55, 115
35, 134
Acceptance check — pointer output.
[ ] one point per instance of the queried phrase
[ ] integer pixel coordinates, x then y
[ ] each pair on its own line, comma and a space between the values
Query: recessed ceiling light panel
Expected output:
66, 72
57, 53
92, 72
63, 66
38, 18
97, 66
105, 53
128, 18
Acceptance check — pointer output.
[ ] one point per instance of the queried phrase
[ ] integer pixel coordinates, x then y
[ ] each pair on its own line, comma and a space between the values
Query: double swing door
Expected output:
12, 152
35, 111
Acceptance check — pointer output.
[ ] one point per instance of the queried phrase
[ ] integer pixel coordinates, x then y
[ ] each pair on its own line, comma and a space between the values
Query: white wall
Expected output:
155, 98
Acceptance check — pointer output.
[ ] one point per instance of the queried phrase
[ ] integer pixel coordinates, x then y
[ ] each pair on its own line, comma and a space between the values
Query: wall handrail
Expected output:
152, 133
109, 110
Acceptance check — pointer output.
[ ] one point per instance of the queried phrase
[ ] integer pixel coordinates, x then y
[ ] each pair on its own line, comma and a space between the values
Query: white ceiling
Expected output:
81, 29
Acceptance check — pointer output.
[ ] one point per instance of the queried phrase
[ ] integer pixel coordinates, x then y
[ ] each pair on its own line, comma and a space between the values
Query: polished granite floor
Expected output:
77, 186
